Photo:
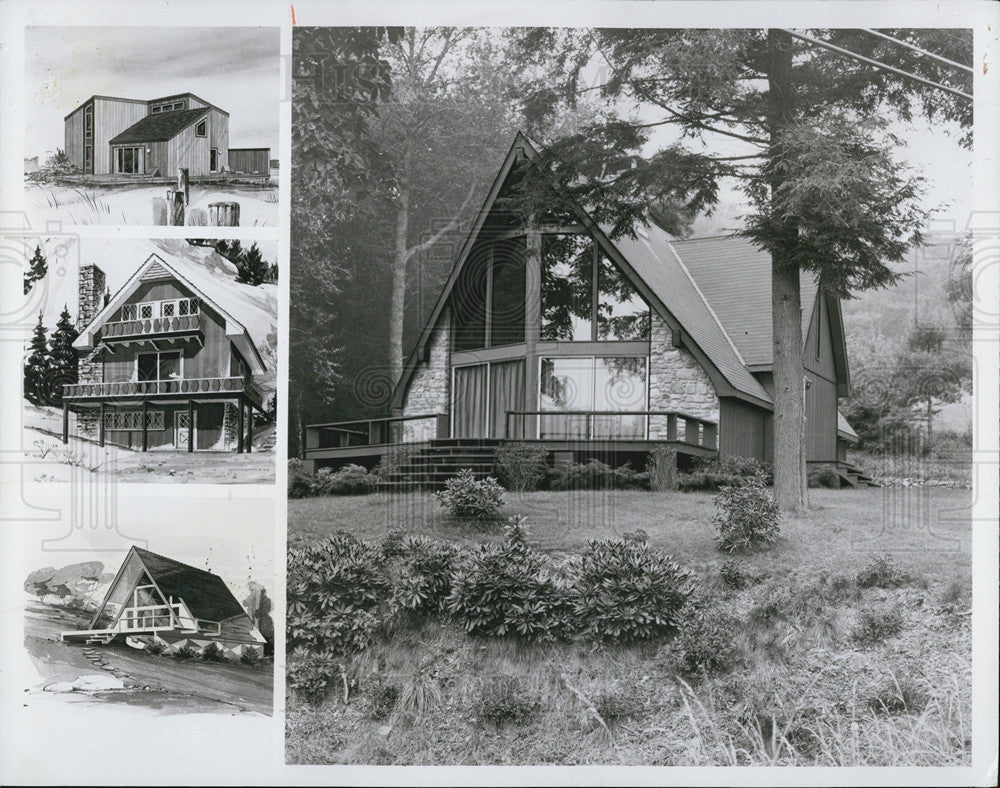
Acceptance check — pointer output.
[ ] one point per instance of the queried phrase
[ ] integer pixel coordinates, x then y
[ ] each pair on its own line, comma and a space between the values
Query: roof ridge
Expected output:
175, 561
711, 311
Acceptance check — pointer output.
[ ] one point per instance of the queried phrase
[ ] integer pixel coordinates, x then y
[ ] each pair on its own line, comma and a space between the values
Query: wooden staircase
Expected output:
852, 476
430, 467
101, 638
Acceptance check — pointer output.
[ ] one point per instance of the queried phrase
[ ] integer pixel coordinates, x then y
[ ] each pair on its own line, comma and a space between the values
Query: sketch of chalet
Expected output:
107, 135
558, 336
172, 360
155, 598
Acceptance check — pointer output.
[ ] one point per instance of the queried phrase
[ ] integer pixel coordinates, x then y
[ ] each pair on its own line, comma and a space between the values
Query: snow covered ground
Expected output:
74, 205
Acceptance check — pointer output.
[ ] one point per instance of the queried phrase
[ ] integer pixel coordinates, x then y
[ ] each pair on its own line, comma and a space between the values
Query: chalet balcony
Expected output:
129, 330
181, 388
149, 619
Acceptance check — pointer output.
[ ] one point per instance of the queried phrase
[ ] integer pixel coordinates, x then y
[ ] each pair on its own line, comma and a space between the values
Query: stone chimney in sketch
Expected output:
92, 284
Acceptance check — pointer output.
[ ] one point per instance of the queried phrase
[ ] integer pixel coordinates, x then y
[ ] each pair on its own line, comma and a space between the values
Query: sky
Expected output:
234, 68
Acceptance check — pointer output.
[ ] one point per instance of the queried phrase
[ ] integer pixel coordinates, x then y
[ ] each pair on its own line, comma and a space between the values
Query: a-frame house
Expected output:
555, 334
155, 598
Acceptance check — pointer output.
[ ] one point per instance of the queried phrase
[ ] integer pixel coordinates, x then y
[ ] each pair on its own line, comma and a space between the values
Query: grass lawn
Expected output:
807, 680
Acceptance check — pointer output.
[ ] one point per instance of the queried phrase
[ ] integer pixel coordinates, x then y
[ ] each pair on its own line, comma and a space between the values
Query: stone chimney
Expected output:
92, 285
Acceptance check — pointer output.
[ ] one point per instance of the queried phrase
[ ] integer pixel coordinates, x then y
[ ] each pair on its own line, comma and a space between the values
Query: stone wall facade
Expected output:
91, 286
430, 385
677, 382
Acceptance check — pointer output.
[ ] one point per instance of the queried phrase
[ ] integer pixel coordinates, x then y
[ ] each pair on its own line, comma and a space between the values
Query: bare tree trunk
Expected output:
789, 400
400, 257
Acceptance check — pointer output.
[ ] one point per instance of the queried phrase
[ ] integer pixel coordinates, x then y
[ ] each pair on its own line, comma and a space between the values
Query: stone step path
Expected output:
98, 660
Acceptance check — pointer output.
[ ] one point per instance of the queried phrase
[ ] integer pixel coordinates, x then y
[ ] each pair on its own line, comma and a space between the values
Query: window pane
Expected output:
565, 384
170, 366
567, 287
167, 309
146, 366
621, 311
469, 301
620, 385
508, 293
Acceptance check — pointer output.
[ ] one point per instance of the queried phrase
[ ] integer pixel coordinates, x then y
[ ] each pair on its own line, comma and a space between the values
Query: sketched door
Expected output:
181, 424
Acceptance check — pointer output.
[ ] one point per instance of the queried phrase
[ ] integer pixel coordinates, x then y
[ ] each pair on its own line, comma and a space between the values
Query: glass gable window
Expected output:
586, 383
567, 288
622, 314
468, 301
507, 293
158, 366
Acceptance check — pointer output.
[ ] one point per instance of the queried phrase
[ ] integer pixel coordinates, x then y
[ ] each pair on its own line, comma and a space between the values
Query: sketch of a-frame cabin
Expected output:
157, 599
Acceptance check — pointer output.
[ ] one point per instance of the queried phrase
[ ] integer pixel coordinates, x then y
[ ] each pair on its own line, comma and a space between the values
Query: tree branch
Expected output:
446, 229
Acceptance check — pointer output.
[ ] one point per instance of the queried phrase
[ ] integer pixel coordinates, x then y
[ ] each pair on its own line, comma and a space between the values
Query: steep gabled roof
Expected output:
735, 277
248, 312
205, 594
161, 126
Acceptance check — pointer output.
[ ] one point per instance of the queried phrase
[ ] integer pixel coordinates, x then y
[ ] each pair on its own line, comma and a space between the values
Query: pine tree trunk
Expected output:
789, 394
399, 276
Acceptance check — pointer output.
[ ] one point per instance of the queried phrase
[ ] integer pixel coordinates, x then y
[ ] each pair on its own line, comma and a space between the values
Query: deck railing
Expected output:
179, 386
376, 432
612, 425
178, 324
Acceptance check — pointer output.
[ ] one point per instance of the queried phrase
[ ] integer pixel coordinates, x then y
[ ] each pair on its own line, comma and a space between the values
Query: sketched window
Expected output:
129, 312
145, 311
201, 130
168, 309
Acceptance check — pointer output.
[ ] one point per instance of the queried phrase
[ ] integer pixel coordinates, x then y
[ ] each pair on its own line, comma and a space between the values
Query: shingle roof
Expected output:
205, 594
735, 277
652, 256
161, 126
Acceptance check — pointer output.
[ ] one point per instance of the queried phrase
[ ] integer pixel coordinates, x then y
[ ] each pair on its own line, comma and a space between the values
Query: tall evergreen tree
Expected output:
801, 130
37, 366
63, 356
37, 268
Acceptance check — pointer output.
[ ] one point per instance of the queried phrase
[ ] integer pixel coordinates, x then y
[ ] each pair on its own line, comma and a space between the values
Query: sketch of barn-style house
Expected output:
108, 135
172, 360
157, 599
553, 334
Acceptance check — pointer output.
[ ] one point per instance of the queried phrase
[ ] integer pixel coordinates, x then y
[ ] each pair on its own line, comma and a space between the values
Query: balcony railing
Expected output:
613, 425
376, 432
147, 617
125, 329
179, 387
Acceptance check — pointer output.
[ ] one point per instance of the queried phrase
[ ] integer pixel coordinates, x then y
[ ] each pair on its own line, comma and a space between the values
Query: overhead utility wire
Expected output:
908, 45
877, 64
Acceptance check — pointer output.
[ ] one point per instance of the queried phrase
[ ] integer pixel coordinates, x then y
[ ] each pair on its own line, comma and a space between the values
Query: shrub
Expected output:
625, 591
713, 474
881, 572
746, 516
335, 591
383, 700
877, 624
155, 647
213, 653
349, 480
618, 704
824, 476
734, 575
501, 698
705, 647
425, 575
185, 652
309, 674
506, 588
301, 483
661, 468
392, 461
466, 496
521, 466
251, 656
596, 475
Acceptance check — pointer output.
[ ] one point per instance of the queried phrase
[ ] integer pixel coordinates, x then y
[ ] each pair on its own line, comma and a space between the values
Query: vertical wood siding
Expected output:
74, 138
187, 150
111, 118
250, 160
218, 135
742, 429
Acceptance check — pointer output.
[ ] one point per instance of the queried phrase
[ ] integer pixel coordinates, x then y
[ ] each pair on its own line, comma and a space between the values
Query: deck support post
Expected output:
190, 425
65, 425
239, 427
100, 427
145, 431
249, 426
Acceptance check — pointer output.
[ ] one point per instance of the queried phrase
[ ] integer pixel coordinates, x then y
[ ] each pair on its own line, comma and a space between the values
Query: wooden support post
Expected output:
671, 427
183, 184
190, 425
692, 431
239, 428
249, 427
100, 427
65, 435
145, 431
175, 208
711, 434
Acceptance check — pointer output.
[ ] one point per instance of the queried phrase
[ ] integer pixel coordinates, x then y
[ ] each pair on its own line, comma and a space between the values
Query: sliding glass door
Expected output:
482, 396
